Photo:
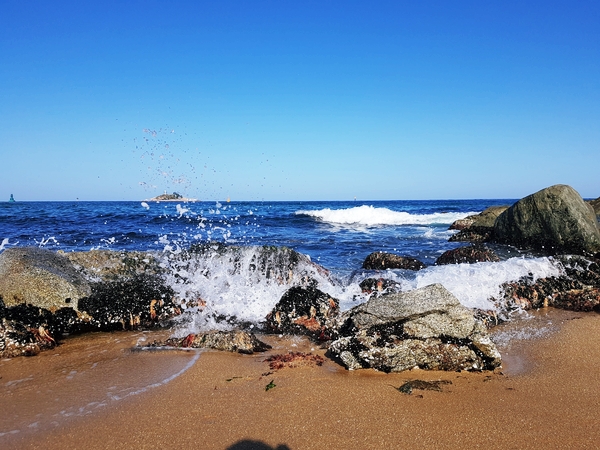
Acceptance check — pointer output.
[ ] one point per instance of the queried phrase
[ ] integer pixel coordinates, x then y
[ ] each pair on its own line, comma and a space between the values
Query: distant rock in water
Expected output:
171, 198
471, 254
555, 220
383, 261
426, 328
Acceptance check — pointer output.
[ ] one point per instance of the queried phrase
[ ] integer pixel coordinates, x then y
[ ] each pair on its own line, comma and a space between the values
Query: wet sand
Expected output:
545, 396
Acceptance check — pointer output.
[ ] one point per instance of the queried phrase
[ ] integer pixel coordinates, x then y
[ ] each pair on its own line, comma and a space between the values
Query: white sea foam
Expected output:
475, 284
246, 284
371, 216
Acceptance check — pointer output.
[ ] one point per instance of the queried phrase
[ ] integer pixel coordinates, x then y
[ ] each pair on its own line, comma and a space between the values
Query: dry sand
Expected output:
546, 396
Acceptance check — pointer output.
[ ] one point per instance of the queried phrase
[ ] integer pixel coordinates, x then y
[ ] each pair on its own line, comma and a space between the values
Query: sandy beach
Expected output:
545, 396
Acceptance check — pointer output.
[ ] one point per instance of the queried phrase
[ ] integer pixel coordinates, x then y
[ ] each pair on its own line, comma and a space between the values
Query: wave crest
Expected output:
371, 216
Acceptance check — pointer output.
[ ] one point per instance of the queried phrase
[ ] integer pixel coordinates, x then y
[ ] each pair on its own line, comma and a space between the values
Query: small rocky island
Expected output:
174, 197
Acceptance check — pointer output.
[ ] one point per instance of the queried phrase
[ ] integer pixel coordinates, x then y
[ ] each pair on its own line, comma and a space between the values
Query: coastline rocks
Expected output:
555, 219
471, 254
305, 310
41, 278
577, 289
229, 341
477, 228
383, 261
426, 328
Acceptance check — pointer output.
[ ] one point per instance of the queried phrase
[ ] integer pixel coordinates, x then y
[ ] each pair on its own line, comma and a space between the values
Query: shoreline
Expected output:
545, 396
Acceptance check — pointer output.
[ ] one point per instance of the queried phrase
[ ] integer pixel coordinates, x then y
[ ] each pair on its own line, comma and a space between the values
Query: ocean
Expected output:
336, 235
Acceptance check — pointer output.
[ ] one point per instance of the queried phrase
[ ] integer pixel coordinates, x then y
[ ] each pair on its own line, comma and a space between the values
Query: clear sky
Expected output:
298, 100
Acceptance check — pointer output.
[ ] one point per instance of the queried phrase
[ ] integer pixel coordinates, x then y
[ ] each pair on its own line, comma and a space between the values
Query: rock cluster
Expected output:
555, 219
426, 328
577, 289
478, 227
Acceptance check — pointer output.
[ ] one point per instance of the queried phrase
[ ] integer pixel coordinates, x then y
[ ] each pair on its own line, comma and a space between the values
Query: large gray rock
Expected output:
555, 219
426, 328
41, 278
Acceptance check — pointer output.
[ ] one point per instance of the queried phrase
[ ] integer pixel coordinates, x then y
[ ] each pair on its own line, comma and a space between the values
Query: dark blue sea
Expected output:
338, 235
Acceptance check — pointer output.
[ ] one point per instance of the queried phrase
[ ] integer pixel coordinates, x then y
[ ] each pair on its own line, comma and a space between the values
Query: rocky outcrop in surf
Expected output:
553, 220
383, 261
303, 310
469, 255
426, 328
576, 289
478, 227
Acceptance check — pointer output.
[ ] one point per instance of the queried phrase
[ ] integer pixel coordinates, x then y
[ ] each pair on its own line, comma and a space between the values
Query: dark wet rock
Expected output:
471, 254
303, 310
577, 288
478, 227
379, 286
230, 341
41, 278
143, 300
107, 265
426, 328
473, 234
555, 220
26, 330
383, 261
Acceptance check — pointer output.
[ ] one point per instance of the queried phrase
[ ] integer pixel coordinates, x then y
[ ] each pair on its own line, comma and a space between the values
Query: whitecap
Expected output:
371, 216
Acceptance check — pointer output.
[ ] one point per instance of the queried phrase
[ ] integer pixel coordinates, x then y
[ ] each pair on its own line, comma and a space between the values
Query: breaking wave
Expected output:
370, 216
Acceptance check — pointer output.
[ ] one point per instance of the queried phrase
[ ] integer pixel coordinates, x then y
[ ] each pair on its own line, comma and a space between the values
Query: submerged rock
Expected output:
471, 254
303, 310
426, 328
41, 278
383, 261
555, 220
230, 341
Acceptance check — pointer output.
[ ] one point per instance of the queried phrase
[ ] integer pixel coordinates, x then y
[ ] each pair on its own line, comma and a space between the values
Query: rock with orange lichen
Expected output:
303, 310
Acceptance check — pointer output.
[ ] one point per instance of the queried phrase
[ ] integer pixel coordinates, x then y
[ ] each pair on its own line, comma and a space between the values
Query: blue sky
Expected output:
298, 100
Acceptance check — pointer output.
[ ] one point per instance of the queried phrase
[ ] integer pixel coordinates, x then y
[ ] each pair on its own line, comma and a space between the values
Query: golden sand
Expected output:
545, 397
